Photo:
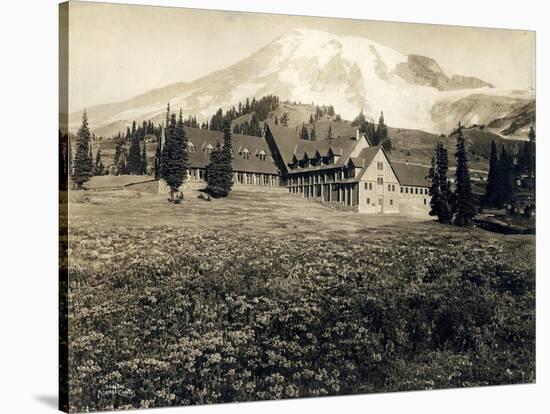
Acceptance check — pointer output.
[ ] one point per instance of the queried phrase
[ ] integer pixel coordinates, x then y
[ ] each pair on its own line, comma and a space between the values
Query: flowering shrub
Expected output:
162, 317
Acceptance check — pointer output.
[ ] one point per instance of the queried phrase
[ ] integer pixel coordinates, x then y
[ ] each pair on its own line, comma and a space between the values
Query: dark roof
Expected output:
289, 145
411, 174
202, 137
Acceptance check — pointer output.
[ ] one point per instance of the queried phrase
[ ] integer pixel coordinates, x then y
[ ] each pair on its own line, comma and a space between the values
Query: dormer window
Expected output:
191, 147
208, 149
262, 155
245, 153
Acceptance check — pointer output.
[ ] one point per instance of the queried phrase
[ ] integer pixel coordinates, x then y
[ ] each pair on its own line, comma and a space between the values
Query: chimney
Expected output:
357, 134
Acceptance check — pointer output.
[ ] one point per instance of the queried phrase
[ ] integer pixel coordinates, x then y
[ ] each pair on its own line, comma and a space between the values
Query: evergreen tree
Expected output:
276, 120
158, 157
144, 159
313, 133
120, 166
99, 168
82, 162
491, 191
303, 132
214, 173
505, 179
133, 163
329, 134
465, 207
381, 131
435, 190
174, 162
311, 119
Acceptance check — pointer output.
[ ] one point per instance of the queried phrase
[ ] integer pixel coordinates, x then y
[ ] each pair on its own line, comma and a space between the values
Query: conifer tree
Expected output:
144, 159
133, 163
276, 120
174, 155
329, 134
226, 165
82, 164
303, 132
120, 166
492, 179
435, 191
158, 157
214, 172
465, 207
99, 168
313, 133
381, 131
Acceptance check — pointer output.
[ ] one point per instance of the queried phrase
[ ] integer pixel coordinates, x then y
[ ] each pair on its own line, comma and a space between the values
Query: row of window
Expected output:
245, 153
414, 190
380, 201
380, 181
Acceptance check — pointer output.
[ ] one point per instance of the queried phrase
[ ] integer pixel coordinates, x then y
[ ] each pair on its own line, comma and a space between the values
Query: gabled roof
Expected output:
203, 137
411, 174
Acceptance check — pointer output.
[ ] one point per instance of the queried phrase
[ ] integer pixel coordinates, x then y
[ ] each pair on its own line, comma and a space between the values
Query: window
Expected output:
245, 153
416, 190
425, 191
370, 186
262, 155
208, 149
393, 187
380, 180
424, 201
368, 200
406, 190
389, 187
401, 189
391, 202
380, 165
366, 186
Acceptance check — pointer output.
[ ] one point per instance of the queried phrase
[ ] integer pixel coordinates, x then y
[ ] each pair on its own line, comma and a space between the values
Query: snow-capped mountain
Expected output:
350, 73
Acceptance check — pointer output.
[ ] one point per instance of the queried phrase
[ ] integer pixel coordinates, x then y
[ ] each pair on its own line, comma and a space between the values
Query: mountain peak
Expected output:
308, 65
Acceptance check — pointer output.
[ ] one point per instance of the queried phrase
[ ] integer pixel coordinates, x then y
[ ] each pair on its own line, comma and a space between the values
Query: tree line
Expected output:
377, 134
460, 206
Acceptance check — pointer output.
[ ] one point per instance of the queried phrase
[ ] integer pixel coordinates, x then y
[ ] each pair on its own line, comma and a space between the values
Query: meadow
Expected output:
266, 296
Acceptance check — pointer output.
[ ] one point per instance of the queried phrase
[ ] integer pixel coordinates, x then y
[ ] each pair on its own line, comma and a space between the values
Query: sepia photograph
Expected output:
258, 206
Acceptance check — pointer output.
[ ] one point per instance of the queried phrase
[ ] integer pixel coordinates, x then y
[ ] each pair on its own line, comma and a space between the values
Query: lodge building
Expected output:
346, 170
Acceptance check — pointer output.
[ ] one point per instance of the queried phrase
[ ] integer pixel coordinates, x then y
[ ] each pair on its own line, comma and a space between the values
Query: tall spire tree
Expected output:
492, 178
144, 159
465, 206
82, 170
174, 155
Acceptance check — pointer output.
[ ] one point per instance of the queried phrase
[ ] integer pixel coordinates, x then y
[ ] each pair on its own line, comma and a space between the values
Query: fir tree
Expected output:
381, 131
158, 157
492, 179
82, 163
99, 168
435, 191
120, 166
214, 173
313, 133
174, 155
329, 134
303, 132
465, 207
144, 159
133, 163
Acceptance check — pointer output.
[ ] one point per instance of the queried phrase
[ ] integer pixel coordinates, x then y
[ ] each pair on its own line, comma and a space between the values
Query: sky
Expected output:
118, 51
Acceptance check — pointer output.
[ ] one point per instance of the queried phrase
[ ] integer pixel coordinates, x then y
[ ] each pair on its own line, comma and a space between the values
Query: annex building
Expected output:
346, 170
